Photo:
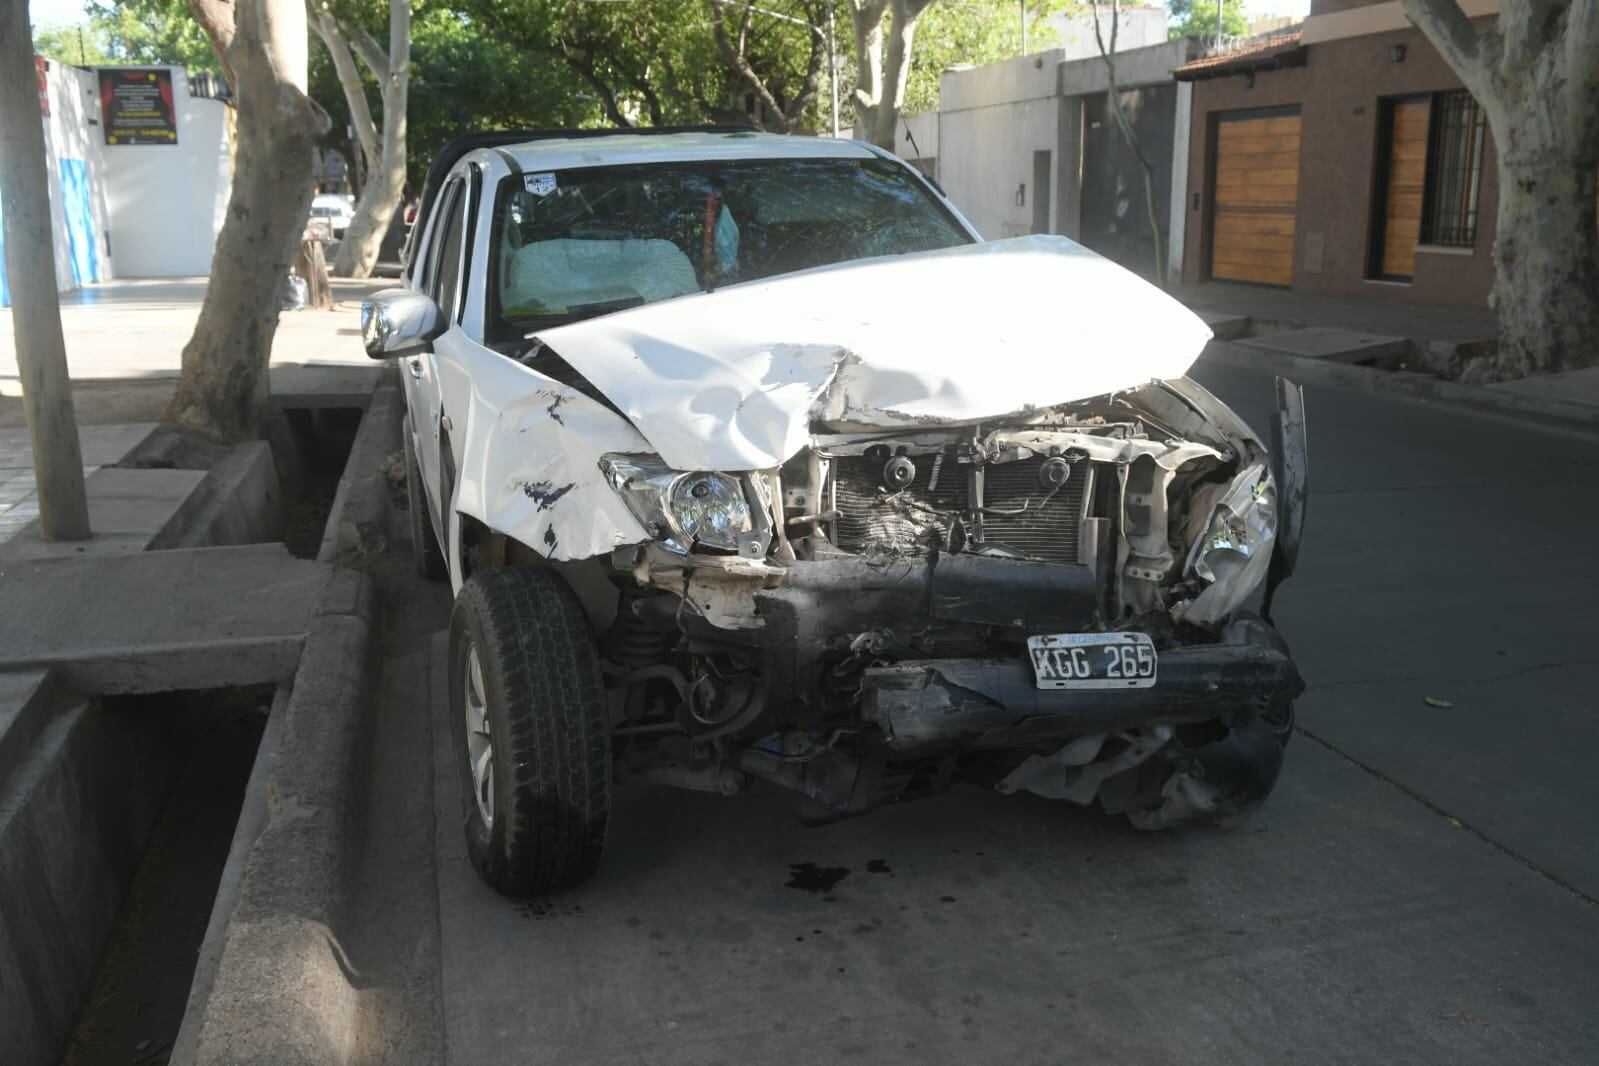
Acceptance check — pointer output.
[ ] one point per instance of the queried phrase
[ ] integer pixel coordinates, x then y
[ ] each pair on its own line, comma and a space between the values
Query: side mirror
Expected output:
397, 322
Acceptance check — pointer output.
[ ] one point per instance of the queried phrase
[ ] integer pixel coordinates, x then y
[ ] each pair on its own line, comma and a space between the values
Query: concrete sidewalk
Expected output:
1380, 346
136, 328
127, 508
1273, 310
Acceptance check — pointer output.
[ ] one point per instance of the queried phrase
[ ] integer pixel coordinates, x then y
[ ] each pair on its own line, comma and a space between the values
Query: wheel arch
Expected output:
482, 548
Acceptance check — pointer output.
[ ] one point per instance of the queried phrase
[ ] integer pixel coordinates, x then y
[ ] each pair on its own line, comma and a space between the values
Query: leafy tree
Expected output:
976, 32
645, 62
450, 96
135, 32
1197, 18
759, 46
343, 31
80, 44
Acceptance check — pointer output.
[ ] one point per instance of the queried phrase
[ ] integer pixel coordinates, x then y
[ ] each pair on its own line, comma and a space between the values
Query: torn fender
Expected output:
733, 379
531, 449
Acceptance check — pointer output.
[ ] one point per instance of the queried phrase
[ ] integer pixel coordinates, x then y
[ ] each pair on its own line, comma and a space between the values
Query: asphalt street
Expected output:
1420, 889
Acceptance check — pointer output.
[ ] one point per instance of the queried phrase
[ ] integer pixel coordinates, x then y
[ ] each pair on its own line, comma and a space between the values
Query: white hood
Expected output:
731, 380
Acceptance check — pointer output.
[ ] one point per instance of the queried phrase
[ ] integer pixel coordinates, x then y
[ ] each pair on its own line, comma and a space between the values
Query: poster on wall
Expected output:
43, 67
136, 107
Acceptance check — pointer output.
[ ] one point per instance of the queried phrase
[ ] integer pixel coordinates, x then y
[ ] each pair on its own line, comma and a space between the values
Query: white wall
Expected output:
1136, 27
993, 119
69, 140
69, 136
167, 202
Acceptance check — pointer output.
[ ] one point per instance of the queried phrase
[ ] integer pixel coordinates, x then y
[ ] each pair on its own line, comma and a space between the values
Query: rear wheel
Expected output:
426, 555
531, 742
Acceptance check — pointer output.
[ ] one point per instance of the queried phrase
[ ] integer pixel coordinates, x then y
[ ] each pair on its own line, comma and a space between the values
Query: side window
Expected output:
447, 272
438, 219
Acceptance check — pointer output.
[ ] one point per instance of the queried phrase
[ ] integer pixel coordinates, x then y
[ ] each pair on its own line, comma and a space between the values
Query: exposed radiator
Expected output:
1047, 527
917, 518
913, 520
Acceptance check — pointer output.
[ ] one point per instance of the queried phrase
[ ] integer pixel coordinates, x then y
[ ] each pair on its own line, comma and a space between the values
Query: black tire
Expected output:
426, 555
547, 726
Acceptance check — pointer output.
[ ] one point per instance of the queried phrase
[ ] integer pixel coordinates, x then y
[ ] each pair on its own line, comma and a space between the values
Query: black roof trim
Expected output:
451, 154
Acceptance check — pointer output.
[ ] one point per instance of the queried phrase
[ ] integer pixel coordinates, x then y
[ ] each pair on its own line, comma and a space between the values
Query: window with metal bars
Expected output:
1454, 170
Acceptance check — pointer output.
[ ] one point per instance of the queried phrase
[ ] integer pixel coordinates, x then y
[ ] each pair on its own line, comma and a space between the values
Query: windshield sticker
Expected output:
540, 184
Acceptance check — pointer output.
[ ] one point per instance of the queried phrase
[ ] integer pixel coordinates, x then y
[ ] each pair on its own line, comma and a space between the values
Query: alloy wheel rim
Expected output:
479, 744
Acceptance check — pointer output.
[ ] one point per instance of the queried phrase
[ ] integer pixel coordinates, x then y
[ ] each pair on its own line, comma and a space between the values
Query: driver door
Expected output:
441, 281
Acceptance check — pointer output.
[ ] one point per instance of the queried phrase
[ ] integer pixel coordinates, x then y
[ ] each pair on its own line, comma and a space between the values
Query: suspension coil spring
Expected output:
641, 643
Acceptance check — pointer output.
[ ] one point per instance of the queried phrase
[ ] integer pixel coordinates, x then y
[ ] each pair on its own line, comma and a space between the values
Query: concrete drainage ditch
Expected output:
174, 727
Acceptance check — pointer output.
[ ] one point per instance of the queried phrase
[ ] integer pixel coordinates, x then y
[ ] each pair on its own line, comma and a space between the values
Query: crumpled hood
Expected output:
732, 380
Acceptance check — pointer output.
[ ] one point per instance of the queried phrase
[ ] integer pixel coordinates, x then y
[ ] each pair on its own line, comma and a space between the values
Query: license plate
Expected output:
1093, 660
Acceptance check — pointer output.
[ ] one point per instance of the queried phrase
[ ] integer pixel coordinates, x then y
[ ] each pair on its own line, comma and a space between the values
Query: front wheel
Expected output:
531, 743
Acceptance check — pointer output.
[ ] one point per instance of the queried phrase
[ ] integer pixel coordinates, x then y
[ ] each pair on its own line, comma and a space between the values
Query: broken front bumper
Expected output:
993, 704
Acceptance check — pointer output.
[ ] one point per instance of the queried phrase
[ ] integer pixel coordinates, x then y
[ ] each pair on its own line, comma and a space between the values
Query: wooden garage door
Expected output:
1257, 194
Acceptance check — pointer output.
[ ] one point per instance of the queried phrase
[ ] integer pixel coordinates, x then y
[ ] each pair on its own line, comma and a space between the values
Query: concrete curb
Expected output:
363, 503
241, 502
283, 990
1399, 384
274, 983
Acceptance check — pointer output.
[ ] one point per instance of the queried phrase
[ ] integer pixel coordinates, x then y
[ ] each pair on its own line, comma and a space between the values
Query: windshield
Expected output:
578, 243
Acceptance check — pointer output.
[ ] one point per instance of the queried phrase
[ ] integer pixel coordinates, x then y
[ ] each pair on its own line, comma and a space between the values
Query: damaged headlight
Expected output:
686, 510
1231, 554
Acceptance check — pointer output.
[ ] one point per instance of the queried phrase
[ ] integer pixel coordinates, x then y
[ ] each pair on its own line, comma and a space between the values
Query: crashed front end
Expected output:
855, 624
864, 555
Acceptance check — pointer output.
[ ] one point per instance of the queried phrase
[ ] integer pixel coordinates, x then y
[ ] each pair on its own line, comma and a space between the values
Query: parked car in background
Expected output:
333, 213
748, 461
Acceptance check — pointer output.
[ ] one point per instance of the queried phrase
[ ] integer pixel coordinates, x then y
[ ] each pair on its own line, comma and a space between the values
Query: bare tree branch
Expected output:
366, 132
371, 53
1528, 26
585, 68
217, 19
1457, 40
866, 22
1157, 231
737, 58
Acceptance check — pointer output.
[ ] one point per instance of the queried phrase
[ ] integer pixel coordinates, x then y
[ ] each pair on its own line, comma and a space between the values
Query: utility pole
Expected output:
31, 276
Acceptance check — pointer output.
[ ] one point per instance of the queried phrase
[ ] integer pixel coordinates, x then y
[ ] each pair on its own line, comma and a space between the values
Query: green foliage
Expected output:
971, 31
79, 44
464, 80
1197, 18
649, 62
135, 32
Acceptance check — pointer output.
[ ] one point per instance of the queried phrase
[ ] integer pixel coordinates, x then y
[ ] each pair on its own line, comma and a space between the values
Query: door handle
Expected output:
416, 367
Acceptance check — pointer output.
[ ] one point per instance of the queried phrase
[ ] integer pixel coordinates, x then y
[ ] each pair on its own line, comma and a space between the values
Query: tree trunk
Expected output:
896, 71
1535, 74
344, 68
866, 21
1546, 267
223, 390
310, 265
385, 183
31, 275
